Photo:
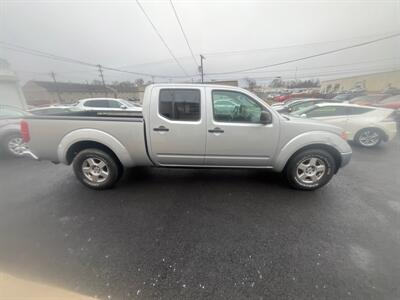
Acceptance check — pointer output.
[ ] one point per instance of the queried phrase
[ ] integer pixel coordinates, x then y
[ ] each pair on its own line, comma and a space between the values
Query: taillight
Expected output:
344, 135
24, 127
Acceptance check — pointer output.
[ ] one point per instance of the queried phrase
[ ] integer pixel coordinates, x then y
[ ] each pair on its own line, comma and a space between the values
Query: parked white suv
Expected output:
107, 104
365, 125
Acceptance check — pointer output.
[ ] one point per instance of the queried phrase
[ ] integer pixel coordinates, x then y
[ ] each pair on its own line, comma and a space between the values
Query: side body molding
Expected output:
307, 139
93, 135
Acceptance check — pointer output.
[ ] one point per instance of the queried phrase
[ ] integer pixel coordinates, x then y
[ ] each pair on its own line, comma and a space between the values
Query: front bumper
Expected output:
345, 158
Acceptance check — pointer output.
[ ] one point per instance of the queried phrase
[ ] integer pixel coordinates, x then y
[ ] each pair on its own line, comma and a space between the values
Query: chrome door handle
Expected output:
161, 128
216, 130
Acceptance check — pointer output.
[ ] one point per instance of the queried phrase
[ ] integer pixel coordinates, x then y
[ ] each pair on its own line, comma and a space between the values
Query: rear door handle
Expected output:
216, 130
161, 128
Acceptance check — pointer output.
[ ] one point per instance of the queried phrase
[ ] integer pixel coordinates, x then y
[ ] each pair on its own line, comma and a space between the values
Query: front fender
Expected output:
93, 135
307, 139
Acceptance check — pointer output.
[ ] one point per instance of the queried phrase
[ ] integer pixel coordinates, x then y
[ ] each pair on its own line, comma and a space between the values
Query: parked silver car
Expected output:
10, 137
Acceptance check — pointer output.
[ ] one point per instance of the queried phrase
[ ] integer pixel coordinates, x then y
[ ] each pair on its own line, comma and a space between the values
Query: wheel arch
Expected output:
324, 140
81, 139
82, 145
330, 149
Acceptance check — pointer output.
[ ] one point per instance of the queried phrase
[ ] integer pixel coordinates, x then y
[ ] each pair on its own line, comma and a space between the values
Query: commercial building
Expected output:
373, 83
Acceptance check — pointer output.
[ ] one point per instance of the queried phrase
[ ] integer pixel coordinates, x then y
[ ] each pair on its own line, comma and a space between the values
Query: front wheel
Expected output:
96, 169
310, 169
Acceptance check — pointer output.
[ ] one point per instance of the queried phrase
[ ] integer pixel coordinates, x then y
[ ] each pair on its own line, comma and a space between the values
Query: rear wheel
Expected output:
14, 145
310, 169
368, 137
96, 169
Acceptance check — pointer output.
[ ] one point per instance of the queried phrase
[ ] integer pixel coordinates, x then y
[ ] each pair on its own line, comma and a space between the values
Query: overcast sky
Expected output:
231, 34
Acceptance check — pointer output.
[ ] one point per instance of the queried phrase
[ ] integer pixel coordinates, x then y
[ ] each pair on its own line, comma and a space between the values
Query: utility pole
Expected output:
53, 75
201, 68
102, 78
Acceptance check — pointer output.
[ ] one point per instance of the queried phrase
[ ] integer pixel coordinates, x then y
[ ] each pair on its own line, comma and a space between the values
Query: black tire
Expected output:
372, 131
322, 157
5, 145
112, 166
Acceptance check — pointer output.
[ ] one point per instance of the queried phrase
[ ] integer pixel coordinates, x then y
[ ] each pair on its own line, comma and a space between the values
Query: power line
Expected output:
183, 32
332, 73
308, 57
238, 52
47, 55
39, 53
161, 38
234, 52
321, 67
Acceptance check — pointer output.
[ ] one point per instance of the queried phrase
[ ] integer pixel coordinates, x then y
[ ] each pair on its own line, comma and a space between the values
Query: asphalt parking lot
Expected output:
206, 234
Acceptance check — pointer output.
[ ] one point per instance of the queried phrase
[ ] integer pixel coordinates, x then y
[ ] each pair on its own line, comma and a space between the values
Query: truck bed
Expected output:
50, 133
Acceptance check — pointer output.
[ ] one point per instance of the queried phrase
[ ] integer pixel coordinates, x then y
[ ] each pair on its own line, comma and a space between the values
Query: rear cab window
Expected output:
180, 104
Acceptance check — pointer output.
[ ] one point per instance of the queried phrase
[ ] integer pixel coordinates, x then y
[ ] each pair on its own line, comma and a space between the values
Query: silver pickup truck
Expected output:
189, 125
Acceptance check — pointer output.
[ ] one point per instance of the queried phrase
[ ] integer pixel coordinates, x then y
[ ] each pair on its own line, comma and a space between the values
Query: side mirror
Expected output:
123, 106
265, 117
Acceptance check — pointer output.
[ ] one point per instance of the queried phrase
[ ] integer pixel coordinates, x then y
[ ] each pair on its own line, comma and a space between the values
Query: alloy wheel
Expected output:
369, 138
16, 146
310, 170
95, 169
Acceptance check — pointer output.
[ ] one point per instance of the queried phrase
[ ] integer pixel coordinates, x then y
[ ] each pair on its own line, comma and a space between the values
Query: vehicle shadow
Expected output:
90, 241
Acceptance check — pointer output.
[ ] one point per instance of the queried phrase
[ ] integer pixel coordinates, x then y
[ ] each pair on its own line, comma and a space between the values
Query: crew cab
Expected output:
189, 125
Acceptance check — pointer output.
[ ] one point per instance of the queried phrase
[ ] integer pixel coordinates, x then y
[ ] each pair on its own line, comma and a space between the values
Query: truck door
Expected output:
177, 125
235, 135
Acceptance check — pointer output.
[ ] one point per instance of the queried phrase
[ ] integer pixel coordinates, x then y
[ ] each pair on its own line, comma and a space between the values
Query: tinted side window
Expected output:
229, 106
358, 110
180, 104
114, 104
96, 103
327, 111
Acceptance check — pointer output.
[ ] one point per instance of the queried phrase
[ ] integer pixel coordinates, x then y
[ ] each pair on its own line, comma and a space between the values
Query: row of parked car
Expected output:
367, 125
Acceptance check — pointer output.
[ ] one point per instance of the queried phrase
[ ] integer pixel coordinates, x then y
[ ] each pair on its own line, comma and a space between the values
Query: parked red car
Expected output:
390, 102
282, 98
369, 99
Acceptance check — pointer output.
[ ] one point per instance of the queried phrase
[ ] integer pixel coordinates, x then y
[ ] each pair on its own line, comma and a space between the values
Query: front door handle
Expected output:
161, 128
216, 130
